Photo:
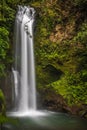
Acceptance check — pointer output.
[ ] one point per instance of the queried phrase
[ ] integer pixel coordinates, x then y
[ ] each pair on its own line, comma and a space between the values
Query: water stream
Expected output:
24, 92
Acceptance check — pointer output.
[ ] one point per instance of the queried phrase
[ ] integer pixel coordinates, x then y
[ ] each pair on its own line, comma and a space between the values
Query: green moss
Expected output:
2, 103
72, 89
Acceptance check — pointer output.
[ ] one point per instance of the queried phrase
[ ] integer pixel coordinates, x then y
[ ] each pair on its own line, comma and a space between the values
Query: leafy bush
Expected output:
4, 46
72, 88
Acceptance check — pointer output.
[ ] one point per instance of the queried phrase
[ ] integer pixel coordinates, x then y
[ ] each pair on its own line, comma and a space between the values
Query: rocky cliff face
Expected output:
60, 51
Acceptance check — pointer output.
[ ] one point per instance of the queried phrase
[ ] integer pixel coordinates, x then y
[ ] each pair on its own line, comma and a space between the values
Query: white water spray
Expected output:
24, 70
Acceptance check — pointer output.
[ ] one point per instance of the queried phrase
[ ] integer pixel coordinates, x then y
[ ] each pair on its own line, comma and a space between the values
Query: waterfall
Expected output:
24, 69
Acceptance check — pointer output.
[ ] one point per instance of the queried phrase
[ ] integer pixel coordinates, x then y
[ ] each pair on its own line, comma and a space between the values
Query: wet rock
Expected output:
53, 101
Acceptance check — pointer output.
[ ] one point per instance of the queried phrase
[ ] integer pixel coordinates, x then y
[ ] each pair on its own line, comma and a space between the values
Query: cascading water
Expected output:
24, 70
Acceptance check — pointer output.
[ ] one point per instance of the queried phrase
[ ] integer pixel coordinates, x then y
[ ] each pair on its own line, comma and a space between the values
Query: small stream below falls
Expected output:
47, 121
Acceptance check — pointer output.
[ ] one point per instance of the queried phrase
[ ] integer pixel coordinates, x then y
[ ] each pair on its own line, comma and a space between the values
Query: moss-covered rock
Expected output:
61, 43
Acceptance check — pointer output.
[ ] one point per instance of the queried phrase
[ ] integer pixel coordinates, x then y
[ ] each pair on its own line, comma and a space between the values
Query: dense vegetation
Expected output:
60, 46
